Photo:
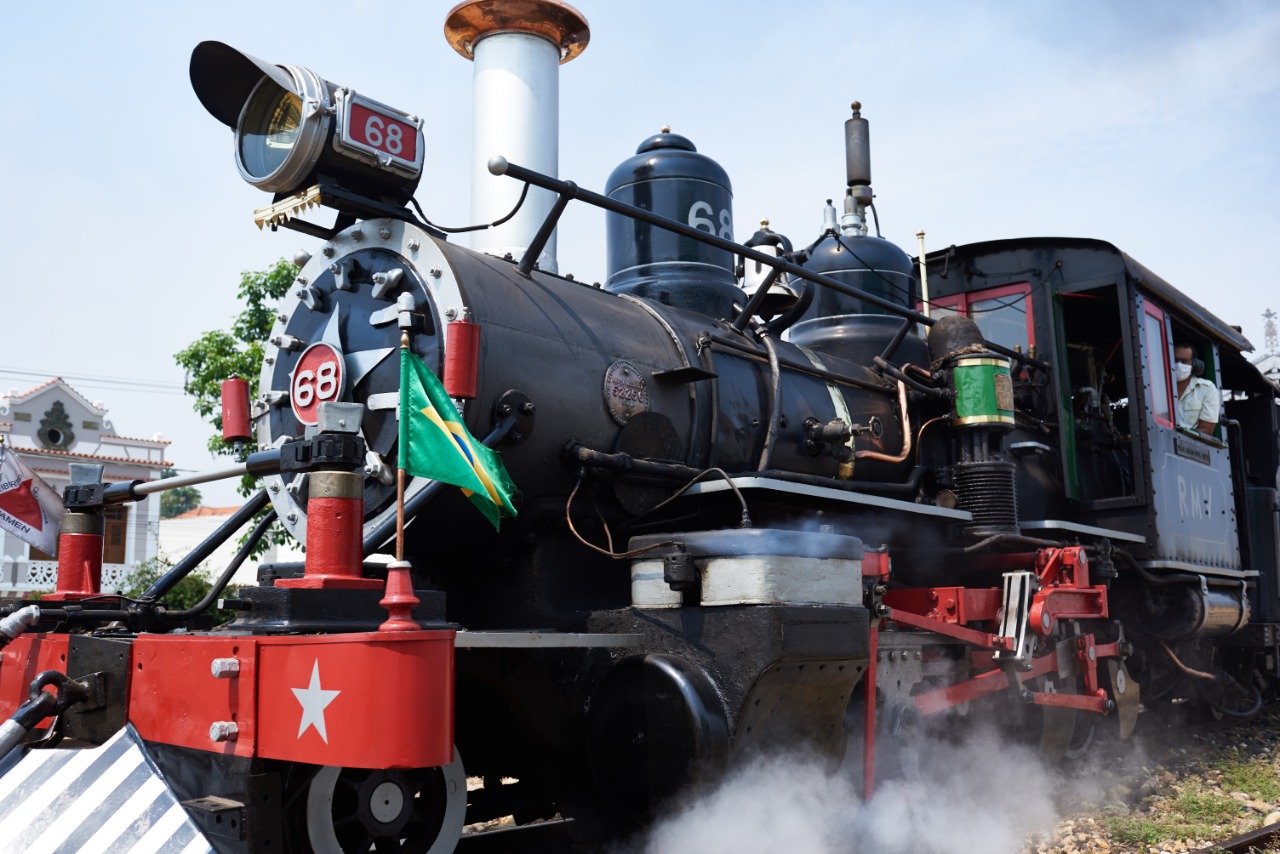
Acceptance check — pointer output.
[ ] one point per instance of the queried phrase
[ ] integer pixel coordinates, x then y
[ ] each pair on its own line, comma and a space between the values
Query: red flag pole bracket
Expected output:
399, 599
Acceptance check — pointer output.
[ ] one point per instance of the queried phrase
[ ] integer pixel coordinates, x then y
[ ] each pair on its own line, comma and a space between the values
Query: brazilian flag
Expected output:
435, 444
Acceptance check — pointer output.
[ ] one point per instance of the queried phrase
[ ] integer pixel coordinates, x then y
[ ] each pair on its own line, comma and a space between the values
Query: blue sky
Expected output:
1152, 125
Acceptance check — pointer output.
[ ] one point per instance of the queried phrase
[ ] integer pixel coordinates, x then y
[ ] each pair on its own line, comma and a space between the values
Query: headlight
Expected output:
294, 129
268, 130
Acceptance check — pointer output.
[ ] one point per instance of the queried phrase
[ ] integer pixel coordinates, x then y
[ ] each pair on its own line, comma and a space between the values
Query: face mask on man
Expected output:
1182, 371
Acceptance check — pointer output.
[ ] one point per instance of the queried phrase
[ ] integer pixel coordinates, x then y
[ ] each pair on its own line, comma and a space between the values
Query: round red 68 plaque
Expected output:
317, 378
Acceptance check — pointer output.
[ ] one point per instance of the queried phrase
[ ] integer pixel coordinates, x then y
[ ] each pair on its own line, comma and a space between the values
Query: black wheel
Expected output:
416, 811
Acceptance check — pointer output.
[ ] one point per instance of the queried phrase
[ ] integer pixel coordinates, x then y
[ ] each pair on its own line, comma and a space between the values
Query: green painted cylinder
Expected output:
984, 392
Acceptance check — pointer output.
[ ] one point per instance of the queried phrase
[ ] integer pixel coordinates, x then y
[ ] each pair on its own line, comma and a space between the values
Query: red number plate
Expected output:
317, 379
383, 132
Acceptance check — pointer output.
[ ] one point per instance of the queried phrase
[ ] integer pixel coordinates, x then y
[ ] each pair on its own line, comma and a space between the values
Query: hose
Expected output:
18, 622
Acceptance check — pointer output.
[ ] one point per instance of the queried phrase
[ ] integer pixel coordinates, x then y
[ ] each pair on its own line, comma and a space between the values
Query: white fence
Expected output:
43, 575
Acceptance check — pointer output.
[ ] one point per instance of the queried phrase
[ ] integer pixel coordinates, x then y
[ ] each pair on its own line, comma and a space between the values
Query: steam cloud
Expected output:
982, 795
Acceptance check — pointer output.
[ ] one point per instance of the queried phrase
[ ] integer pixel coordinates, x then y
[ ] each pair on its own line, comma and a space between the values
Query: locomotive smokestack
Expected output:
516, 46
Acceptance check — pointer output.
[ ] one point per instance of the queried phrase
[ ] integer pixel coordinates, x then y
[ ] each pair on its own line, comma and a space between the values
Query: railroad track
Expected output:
1246, 843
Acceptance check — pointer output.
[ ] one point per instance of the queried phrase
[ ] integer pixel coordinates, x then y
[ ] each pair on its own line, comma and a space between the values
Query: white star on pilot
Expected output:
314, 699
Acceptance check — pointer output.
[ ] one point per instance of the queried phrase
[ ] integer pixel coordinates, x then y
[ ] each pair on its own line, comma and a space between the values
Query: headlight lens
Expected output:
269, 129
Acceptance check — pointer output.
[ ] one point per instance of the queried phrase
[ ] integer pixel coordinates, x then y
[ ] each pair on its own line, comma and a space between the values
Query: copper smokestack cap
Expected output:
557, 22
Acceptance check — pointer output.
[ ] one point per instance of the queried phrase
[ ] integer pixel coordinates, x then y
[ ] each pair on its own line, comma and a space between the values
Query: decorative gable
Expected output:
54, 416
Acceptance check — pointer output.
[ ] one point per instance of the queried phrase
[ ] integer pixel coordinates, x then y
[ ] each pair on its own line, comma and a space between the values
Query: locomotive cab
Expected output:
1102, 455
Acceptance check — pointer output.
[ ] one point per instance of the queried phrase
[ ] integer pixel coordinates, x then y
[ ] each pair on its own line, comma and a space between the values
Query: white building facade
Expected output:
52, 426
1269, 365
181, 534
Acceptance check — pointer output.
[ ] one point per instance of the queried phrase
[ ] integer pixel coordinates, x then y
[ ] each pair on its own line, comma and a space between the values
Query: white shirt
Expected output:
1200, 402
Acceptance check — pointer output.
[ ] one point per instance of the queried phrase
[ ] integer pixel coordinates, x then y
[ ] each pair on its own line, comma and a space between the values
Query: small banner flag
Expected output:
435, 444
29, 508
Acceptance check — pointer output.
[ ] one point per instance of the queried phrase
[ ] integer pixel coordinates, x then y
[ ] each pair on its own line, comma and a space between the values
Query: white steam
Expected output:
984, 795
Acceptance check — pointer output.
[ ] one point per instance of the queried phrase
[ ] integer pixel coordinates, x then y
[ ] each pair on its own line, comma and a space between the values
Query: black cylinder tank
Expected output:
669, 177
853, 328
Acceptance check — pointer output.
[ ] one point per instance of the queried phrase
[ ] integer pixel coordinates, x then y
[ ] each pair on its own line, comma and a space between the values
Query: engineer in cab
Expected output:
1198, 400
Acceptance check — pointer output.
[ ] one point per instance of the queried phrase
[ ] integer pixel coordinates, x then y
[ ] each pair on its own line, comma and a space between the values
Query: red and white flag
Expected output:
29, 508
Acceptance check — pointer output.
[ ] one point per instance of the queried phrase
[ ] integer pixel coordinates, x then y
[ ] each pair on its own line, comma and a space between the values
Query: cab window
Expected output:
1156, 344
1003, 314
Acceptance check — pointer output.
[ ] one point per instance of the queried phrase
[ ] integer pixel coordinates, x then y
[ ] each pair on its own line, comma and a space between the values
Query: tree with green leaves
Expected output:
219, 355
175, 502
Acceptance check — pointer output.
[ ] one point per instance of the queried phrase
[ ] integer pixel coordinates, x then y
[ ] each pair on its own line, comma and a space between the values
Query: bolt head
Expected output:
415, 245
222, 731
435, 272
384, 233
224, 668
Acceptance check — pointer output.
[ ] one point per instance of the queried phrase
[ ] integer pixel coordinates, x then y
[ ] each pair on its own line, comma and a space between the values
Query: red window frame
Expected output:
1157, 313
960, 303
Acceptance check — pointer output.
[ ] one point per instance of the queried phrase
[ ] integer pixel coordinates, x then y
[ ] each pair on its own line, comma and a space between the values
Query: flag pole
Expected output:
401, 454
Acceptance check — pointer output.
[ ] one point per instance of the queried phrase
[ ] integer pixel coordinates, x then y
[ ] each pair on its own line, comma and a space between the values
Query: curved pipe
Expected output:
775, 398
218, 586
906, 434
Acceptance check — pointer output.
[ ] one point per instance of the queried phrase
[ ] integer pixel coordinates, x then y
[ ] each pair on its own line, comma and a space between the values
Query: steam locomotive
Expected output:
770, 497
